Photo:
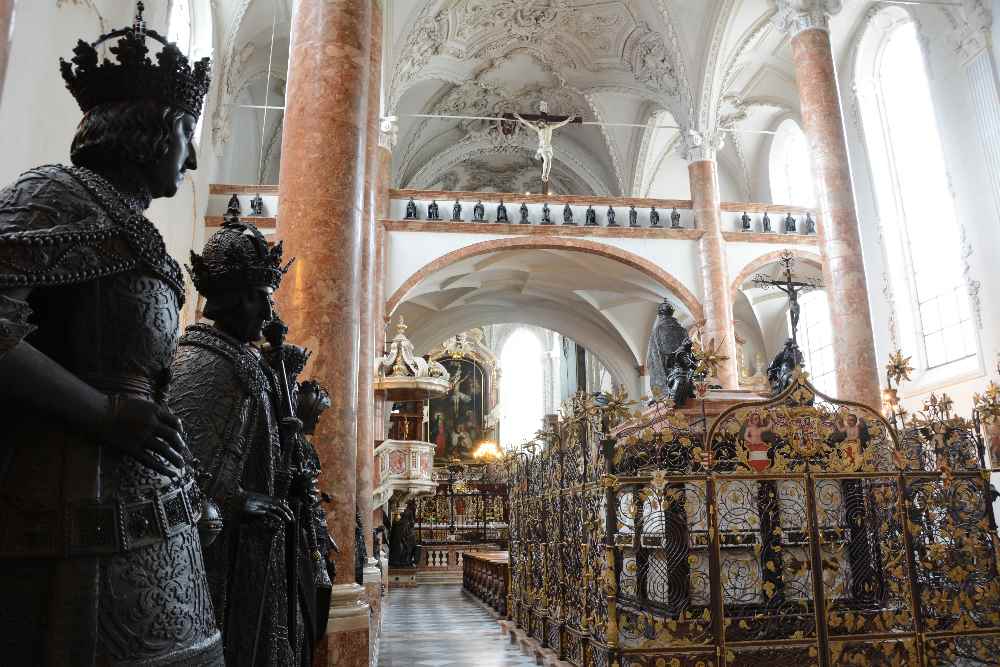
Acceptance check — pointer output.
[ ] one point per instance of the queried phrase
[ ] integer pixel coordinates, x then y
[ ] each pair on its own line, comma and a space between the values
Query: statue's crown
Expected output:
171, 80
237, 257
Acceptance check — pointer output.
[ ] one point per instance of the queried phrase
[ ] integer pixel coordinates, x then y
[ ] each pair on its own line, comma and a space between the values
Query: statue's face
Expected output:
245, 321
165, 175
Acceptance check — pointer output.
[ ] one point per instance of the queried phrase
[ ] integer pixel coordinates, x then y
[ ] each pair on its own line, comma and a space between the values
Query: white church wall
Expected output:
39, 116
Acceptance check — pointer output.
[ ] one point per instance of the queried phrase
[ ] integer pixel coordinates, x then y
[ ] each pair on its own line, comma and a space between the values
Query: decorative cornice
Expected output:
699, 146
795, 16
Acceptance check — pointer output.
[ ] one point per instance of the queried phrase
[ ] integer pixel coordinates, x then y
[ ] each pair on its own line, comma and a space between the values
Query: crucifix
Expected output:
792, 288
542, 124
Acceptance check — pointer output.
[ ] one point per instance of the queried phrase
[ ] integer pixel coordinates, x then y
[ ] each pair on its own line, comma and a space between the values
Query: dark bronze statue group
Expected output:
158, 495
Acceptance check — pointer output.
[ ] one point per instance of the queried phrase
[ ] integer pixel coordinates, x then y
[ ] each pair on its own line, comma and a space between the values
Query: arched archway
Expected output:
664, 278
755, 265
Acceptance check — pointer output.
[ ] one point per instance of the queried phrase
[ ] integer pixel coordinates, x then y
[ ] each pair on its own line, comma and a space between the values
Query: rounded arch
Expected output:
759, 263
654, 272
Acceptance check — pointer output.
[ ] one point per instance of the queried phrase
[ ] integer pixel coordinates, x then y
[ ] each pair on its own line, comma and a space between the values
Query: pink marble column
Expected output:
322, 224
717, 301
369, 311
840, 241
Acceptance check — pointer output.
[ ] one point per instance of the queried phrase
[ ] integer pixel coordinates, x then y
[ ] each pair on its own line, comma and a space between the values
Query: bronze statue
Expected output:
746, 224
633, 217
411, 210
100, 559
456, 212
779, 373
568, 215
403, 549
233, 206
789, 224
654, 217
667, 335
478, 212
675, 219
433, 212
242, 438
765, 223
683, 373
502, 213
546, 214
524, 214
611, 217
257, 205
810, 224
590, 217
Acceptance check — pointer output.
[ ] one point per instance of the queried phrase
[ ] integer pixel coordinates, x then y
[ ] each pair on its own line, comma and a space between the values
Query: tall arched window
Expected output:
179, 25
790, 169
915, 204
521, 388
815, 337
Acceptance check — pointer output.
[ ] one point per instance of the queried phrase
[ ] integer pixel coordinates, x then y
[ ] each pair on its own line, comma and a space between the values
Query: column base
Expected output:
372, 578
346, 643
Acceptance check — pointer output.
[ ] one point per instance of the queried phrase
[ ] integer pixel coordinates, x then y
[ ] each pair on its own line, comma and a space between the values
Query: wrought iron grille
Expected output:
799, 531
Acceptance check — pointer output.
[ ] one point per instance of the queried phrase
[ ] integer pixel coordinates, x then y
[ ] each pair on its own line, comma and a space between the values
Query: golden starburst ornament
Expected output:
898, 369
710, 356
987, 404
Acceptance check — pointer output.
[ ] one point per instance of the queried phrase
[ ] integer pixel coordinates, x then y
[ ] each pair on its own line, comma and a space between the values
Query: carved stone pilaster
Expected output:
972, 34
795, 16
701, 145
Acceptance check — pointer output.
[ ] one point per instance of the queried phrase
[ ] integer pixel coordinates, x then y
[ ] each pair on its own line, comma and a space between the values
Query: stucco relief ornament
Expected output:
795, 16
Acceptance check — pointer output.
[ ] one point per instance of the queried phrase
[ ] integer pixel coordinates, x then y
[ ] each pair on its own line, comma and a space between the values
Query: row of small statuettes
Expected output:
790, 224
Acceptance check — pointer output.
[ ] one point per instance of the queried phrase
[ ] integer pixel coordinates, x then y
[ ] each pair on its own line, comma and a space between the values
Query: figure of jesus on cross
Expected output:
791, 288
544, 125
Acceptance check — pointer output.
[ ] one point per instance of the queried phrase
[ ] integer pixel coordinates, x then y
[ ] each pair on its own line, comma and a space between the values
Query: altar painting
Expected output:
457, 419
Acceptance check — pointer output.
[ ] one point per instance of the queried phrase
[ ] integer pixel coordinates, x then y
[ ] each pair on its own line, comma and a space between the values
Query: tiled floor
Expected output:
442, 626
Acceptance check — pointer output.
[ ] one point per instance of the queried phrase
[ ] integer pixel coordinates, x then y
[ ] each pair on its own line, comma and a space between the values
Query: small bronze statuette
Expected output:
675, 219
790, 224
810, 224
633, 217
433, 213
667, 335
411, 210
765, 223
546, 214
611, 217
502, 213
779, 373
568, 215
591, 217
233, 206
456, 212
524, 214
654, 217
478, 212
745, 222
257, 205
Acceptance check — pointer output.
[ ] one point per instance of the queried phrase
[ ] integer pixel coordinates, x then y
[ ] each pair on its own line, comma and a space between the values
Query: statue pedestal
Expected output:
346, 643
372, 578
403, 577
714, 404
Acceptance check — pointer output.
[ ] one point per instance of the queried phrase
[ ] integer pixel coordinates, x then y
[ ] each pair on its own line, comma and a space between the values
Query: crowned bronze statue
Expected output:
433, 212
233, 206
790, 227
257, 205
654, 217
666, 336
100, 557
242, 437
746, 224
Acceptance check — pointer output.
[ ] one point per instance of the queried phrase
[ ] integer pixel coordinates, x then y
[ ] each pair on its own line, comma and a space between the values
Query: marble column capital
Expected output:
388, 132
795, 16
698, 146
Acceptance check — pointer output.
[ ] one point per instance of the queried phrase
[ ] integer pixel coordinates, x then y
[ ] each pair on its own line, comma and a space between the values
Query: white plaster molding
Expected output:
971, 35
972, 286
699, 146
388, 133
795, 16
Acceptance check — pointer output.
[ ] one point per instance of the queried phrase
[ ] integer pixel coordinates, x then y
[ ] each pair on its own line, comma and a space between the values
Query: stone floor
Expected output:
443, 626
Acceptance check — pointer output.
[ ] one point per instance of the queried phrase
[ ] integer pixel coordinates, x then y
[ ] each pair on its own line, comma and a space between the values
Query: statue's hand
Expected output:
146, 431
268, 508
